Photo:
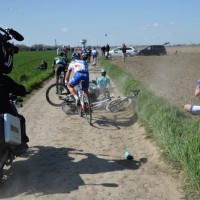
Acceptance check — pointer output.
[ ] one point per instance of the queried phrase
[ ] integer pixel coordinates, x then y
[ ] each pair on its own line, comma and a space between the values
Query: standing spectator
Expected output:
107, 51
123, 52
103, 50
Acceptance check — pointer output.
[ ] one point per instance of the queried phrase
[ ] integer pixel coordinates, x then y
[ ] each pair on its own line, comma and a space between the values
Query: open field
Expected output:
172, 77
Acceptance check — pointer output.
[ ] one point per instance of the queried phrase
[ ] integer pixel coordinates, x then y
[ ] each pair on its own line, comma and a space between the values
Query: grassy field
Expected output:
26, 63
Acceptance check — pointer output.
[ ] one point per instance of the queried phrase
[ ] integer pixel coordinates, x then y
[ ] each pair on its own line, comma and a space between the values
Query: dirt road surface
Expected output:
69, 159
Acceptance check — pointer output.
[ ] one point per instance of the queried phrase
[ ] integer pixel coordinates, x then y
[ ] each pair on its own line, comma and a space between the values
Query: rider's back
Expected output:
103, 83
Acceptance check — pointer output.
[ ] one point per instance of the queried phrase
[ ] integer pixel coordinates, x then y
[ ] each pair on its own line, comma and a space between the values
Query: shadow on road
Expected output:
103, 119
49, 170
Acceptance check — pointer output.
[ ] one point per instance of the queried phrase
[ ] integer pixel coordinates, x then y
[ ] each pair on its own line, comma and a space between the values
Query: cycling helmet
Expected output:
61, 54
74, 55
78, 56
103, 72
84, 56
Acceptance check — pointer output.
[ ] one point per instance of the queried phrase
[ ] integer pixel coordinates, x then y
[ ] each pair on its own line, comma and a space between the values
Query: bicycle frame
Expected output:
84, 108
101, 102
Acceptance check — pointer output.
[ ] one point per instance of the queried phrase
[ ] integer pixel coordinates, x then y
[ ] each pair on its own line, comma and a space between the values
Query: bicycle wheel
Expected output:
119, 104
55, 94
87, 108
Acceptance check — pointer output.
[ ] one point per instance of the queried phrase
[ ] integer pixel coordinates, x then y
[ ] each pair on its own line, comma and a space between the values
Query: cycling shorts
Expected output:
80, 76
59, 69
195, 109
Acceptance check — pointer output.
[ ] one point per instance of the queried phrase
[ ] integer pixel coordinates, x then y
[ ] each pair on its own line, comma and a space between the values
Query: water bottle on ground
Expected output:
128, 156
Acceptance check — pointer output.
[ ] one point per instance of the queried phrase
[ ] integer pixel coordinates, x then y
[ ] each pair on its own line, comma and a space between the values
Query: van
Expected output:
158, 50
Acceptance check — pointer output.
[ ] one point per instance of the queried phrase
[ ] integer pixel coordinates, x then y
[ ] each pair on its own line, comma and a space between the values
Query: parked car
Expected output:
158, 50
130, 51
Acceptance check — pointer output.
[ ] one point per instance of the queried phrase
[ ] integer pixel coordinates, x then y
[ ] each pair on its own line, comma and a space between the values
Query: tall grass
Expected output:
176, 133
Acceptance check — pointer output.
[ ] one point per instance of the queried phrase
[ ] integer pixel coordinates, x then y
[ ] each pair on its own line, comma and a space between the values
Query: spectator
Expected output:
43, 65
194, 109
103, 50
123, 52
107, 51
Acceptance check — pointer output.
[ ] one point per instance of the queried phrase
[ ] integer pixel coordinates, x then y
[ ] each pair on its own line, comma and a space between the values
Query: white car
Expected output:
130, 51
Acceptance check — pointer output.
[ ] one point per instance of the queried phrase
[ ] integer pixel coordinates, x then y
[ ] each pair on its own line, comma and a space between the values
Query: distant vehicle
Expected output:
116, 52
158, 50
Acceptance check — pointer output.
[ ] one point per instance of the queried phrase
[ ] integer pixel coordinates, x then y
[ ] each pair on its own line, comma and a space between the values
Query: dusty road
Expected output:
68, 159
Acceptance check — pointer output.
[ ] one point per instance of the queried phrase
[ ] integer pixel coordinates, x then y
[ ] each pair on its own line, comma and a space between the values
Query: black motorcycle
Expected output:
10, 126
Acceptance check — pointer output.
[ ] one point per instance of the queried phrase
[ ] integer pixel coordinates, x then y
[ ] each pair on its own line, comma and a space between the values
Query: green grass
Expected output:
175, 132
26, 62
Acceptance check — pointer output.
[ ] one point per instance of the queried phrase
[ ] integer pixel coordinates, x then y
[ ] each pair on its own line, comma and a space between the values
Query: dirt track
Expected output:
172, 77
68, 159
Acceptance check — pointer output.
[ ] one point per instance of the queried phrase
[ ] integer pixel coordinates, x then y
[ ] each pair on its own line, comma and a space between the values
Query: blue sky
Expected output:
134, 22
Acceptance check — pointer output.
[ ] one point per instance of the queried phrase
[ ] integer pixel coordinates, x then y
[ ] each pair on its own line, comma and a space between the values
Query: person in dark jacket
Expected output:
107, 51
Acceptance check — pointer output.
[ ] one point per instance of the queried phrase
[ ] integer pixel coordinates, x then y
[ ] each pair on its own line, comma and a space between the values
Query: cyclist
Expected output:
103, 82
80, 68
59, 65
94, 56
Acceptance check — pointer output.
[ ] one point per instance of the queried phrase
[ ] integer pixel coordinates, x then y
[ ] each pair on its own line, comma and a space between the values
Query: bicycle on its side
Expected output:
121, 103
102, 101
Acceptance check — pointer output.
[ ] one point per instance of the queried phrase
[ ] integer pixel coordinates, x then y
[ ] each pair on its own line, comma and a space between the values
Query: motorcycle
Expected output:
10, 125
10, 134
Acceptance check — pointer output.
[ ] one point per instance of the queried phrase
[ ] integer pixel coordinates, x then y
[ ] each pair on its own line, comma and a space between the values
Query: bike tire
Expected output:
87, 108
55, 92
118, 104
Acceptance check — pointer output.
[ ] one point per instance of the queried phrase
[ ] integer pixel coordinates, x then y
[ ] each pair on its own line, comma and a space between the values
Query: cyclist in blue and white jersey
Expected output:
80, 68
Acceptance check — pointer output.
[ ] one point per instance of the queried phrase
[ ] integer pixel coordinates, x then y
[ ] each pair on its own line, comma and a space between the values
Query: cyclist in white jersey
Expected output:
80, 68
194, 109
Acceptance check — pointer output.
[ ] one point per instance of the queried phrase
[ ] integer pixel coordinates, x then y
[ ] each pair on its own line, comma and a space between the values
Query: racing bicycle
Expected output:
102, 101
84, 107
63, 98
122, 103
54, 93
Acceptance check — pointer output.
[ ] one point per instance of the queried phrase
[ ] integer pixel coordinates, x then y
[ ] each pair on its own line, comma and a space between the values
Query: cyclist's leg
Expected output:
58, 72
85, 84
192, 108
73, 82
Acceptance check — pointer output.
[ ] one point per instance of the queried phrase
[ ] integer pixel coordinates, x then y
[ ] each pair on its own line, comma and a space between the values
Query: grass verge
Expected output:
175, 132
